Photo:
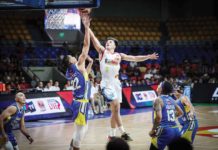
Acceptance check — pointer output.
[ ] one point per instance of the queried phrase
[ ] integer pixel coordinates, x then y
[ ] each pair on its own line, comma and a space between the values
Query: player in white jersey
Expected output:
110, 84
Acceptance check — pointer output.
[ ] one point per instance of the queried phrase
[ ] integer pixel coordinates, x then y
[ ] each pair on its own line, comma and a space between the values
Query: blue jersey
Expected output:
185, 117
168, 111
13, 122
79, 82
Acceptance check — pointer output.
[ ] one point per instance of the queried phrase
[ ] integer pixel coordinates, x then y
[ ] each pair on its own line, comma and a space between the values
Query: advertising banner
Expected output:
140, 96
205, 93
47, 105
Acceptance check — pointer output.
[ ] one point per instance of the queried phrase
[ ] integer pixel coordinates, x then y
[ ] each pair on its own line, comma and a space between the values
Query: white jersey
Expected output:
110, 83
110, 65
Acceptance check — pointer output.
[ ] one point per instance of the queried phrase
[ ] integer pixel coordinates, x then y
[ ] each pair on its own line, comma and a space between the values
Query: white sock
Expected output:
121, 128
112, 132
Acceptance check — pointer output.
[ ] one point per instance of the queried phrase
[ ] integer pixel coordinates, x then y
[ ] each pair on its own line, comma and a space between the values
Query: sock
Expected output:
121, 129
112, 132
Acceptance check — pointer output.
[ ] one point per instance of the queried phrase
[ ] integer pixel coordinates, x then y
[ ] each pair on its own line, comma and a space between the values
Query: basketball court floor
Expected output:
56, 134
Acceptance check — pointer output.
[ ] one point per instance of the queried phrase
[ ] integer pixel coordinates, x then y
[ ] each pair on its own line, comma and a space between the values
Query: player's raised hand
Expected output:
84, 11
154, 56
86, 20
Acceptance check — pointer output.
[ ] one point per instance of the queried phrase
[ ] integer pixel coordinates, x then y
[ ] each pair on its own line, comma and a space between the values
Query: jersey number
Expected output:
75, 84
171, 115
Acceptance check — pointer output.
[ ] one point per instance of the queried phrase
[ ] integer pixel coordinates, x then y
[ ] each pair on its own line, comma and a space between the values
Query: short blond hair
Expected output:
19, 95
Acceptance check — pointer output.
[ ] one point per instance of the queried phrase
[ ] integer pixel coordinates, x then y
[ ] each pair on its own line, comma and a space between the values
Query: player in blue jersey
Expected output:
78, 74
164, 129
188, 120
13, 117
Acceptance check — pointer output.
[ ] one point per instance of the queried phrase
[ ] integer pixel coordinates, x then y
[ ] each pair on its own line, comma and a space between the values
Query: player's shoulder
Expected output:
10, 110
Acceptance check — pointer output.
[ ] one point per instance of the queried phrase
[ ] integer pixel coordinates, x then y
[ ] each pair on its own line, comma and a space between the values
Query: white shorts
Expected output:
112, 90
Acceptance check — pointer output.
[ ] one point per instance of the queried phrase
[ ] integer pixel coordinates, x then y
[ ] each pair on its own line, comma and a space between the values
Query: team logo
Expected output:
30, 107
53, 104
215, 95
208, 131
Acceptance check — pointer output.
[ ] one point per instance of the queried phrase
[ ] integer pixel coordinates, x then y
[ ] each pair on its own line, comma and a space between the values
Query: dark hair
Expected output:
166, 88
113, 39
180, 87
180, 144
65, 61
117, 144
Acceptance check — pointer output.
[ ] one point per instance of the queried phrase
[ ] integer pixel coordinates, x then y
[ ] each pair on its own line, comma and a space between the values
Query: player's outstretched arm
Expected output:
86, 43
138, 58
96, 42
24, 131
89, 67
6, 114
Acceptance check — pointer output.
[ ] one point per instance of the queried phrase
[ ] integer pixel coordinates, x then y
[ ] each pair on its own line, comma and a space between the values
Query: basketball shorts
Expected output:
112, 91
11, 138
80, 111
189, 130
165, 136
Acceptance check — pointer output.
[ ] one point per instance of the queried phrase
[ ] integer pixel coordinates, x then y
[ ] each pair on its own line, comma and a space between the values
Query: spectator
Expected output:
180, 144
68, 86
56, 86
48, 87
123, 75
96, 98
117, 144
34, 82
40, 86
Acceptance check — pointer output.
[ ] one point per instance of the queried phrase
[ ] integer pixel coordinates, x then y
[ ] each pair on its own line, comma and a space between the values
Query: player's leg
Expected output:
79, 134
109, 96
80, 123
118, 91
187, 131
8, 146
12, 141
113, 123
194, 130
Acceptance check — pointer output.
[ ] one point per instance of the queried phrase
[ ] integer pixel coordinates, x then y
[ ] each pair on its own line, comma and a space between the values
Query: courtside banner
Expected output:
140, 96
47, 105
205, 93
43, 105
144, 96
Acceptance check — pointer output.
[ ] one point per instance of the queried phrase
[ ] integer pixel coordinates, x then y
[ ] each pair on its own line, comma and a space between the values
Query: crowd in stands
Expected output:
190, 71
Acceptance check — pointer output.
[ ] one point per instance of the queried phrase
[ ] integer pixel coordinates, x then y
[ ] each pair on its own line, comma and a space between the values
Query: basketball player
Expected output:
110, 83
164, 129
13, 117
77, 73
188, 121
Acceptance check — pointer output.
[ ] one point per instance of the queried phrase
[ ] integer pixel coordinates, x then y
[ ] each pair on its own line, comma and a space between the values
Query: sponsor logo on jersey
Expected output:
112, 61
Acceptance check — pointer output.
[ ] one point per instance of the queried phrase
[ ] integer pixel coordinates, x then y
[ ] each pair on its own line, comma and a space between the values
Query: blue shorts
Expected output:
165, 136
189, 130
80, 111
